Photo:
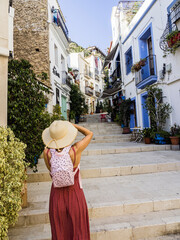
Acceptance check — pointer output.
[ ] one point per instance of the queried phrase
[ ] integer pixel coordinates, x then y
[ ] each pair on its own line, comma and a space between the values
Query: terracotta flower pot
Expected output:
126, 130
175, 140
147, 140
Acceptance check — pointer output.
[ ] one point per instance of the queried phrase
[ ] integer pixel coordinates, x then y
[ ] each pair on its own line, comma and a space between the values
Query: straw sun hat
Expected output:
59, 134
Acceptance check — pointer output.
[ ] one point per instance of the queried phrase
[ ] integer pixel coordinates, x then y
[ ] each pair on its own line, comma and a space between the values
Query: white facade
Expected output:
141, 39
58, 54
90, 77
10, 26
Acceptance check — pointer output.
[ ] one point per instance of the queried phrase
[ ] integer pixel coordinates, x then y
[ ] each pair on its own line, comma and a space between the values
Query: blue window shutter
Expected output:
128, 58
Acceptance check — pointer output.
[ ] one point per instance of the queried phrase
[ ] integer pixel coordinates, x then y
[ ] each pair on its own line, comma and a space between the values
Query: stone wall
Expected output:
31, 34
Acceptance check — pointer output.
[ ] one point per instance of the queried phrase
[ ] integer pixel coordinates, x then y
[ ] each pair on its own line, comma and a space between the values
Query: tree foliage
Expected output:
158, 110
12, 177
26, 108
77, 105
124, 112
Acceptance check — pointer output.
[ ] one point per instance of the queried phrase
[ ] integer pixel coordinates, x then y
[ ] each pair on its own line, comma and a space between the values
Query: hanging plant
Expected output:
137, 66
173, 41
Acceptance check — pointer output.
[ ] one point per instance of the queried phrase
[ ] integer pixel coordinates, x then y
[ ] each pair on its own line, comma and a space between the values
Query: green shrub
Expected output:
12, 177
26, 108
77, 105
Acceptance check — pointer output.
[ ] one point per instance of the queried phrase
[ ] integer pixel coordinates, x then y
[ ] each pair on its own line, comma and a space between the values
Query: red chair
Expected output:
103, 116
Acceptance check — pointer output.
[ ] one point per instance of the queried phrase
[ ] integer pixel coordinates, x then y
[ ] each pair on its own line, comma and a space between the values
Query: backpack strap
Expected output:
78, 168
48, 157
74, 155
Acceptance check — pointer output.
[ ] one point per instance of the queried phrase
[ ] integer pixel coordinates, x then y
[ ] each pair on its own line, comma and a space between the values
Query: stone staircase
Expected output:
132, 190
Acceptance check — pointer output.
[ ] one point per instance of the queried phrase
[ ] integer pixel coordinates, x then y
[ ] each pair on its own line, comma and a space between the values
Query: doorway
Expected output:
63, 107
150, 52
133, 118
145, 115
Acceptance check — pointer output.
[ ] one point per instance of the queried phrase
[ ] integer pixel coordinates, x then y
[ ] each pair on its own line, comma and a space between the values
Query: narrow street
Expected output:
132, 190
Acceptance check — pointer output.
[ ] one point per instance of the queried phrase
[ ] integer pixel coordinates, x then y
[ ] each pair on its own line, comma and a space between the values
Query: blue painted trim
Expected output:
143, 110
170, 6
134, 99
168, 10
147, 81
139, 40
135, 26
125, 54
144, 94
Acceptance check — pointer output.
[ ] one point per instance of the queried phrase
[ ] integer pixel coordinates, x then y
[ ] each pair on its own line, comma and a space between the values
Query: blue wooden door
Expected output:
133, 115
145, 115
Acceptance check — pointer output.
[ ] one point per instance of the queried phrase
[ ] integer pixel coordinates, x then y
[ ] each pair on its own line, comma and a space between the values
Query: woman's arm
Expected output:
81, 145
45, 158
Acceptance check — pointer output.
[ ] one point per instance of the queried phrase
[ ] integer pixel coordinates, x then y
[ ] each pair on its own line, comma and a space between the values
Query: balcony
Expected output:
116, 75
147, 74
59, 21
88, 74
96, 71
97, 78
97, 93
88, 91
65, 79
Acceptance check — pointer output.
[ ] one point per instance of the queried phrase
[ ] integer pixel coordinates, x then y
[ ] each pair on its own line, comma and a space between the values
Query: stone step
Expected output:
105, 132
117, 165
167, 237
137, 226
107, 138
101, 126
129, 227
113, 196
130, 147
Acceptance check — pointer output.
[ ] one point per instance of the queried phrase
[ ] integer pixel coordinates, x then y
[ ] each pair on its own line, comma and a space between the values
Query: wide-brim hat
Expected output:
59, 134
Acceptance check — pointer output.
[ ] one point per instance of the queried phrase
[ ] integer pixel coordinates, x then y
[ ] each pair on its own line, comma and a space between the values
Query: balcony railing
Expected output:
88, 91
88, 74
97, 93
59, 21
172, 18
97, 78
65, 79
147, 74
96, 71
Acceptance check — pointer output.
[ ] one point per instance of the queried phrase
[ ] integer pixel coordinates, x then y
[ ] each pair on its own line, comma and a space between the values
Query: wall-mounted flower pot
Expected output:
174, 140
173, 40
147, 140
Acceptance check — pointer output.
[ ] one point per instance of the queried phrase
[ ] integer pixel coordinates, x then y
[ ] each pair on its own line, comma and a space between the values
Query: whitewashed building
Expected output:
89, 77
6, 50
145, 37
58, 55
41, 37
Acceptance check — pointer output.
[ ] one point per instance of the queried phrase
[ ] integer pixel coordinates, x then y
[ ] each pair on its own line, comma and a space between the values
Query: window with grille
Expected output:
128, 60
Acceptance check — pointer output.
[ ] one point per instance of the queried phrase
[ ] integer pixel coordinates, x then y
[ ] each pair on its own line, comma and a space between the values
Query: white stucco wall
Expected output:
157, 16
57, 37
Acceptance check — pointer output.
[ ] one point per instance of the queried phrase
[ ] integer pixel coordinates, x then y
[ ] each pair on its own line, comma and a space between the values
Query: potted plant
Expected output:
124, 115
162, 137
175, 134
148, 134
137, 66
